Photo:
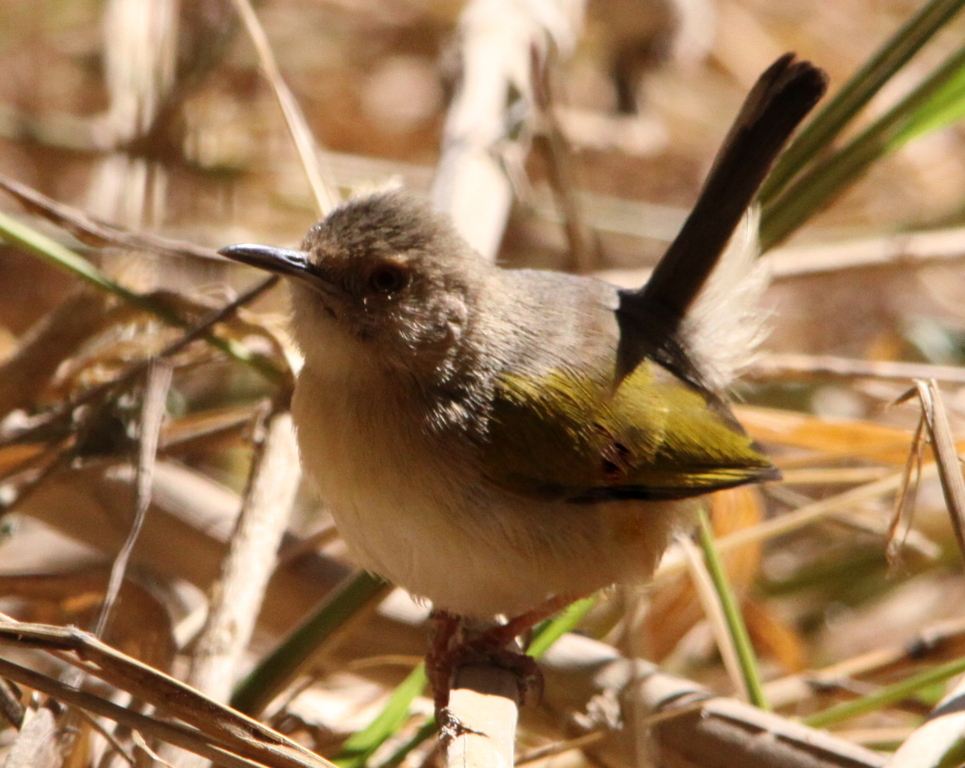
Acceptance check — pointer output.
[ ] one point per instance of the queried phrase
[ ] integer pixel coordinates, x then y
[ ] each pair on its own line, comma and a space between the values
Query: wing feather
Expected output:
564, 436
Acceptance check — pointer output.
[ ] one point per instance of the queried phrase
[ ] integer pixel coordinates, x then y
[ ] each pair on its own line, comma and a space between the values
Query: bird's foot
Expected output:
447, 656
453, 645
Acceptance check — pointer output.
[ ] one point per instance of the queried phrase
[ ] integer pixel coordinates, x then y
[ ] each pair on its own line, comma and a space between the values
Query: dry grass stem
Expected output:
560, 747
238, 594
562, 167
226, 727
946, 455
186, 738
782, 366
942, 641
319, 178
714, 612
484, 132
903, 250
900, 524
96, 233
157, 384
811, 513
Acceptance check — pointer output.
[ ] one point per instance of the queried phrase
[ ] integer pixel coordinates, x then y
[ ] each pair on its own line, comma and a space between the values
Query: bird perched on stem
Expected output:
498, 441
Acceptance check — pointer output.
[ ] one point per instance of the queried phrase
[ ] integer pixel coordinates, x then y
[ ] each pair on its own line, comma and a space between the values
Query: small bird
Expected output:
497, 440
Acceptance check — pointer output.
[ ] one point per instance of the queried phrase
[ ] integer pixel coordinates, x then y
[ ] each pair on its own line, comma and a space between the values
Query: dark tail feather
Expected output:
650, 316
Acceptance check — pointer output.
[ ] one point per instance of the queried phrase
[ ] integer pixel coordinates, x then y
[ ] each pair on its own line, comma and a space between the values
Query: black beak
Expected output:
279, 260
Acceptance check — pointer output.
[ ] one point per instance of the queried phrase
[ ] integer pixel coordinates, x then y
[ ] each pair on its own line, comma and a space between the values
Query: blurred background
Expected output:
155, 116
643, 103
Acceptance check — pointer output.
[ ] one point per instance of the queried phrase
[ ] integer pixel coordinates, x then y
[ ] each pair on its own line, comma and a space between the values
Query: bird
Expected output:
500, 440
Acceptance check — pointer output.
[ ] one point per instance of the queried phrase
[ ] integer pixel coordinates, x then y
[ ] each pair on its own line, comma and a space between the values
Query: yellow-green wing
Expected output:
564, 436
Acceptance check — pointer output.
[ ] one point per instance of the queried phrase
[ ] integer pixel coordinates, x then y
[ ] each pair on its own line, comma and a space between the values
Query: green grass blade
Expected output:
31, 241
883, 697
945, 107
856, 93
427, 731
362, 744
732, 614
553, 629
934, 103
280, 667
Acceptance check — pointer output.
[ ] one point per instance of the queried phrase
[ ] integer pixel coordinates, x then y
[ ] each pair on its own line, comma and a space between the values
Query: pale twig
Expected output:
706, 730
484, 703
251, 559
781, 365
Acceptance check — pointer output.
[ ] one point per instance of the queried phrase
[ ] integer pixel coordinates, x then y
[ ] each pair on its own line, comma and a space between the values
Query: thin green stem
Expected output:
933, 103
280, 667
732, 614
857, 92
30, 240
427, 731
883, 697
360, 746
553, 629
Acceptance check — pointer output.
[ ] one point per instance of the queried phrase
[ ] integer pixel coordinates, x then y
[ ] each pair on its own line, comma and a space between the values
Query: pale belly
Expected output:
421, 515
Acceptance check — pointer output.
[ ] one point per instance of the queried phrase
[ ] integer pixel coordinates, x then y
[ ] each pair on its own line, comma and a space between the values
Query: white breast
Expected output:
421, 515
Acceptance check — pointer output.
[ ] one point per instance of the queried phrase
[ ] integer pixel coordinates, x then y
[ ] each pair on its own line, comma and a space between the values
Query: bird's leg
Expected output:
442, 657
492, 645
449, 649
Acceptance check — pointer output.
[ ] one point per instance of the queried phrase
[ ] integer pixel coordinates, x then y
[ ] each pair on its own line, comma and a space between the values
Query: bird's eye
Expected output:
388, 278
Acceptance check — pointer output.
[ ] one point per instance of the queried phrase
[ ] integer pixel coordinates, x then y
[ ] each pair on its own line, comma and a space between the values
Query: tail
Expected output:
654, 319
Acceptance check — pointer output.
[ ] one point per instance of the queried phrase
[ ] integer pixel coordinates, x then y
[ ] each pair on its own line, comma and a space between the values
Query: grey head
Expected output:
384, 273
